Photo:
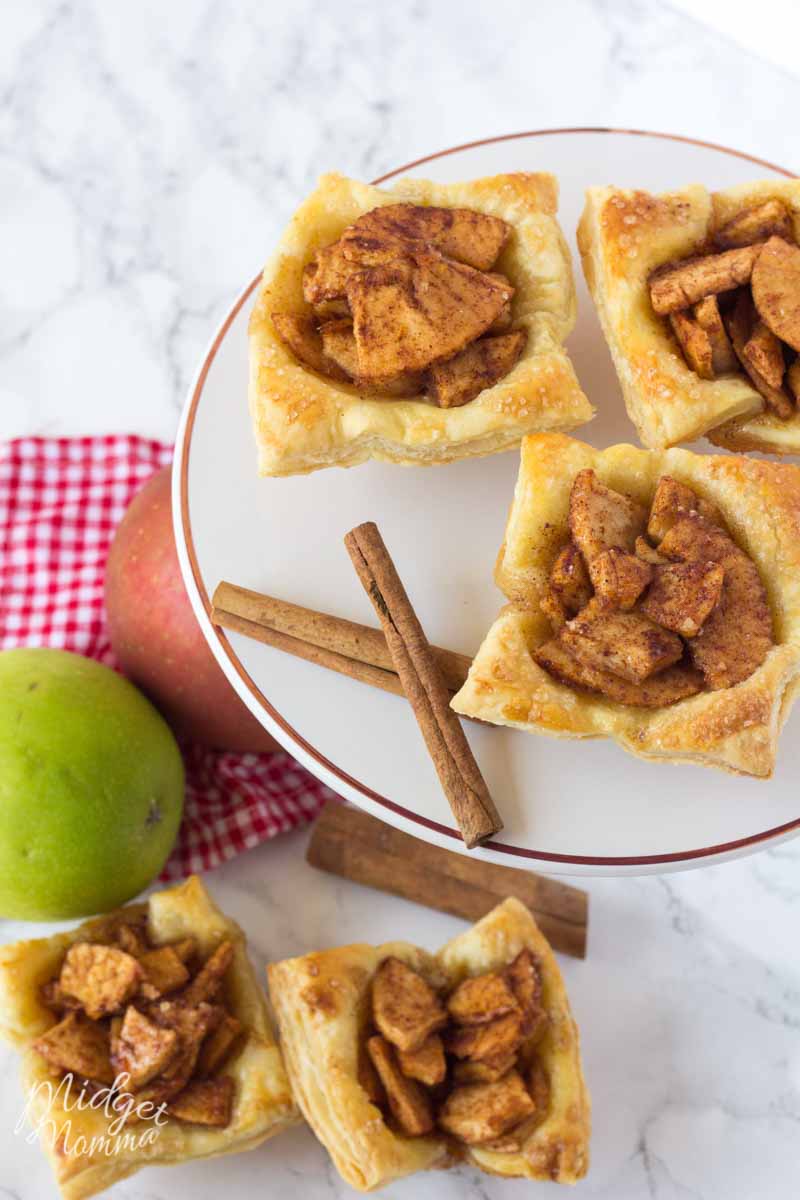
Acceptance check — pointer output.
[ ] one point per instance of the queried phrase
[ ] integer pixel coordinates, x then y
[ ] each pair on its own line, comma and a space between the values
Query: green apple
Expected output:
91, 786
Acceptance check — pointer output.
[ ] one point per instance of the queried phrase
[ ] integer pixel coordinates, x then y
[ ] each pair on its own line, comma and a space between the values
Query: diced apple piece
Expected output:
625, 643
418, 311
481, 365
481, 1111
208, 980
619, 578
673, 500
102, 978
427, 1064
141, 1048
569, 580
526, 984
756, 224
648, 553
683, 596
740, 324
408, 1101
776, 289
502, 323
668, 687
405, 1007
695, 344
485, 1070
602, 519
764, 354
205, 1102
709, 318
470, 237
481, 998
737, 636
219, 1044
492, 1040
163, 972
300, 334
79, 1046
683, 284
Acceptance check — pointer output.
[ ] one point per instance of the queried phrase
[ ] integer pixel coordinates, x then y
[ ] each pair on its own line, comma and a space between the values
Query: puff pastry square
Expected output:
623, 236
734, 728
303, 421
263, 1103
322, 1003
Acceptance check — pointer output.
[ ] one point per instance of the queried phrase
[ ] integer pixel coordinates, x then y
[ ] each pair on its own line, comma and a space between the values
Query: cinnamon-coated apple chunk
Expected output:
80, 1046
625, 643
408, 1101
418, 310
301, 335
463, 377
619, 578
426, 1064
737, 636
764, 353
483, 1070
405, 1007
141, 1048
682, 596
673, 500
205, 1102
776, 289
681, 285
470, 237
102, 978
478, 1112
601, 518
480, 999
659, 691
708, 316
569, 579
492, 1040
695, 343
740, 323
755, 224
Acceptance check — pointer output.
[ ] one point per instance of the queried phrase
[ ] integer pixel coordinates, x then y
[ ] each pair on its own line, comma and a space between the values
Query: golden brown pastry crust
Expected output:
322, 1004
735, 728
622, 236
303, 421
263, 1103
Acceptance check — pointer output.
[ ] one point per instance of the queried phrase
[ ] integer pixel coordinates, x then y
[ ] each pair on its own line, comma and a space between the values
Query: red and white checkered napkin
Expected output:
60, 502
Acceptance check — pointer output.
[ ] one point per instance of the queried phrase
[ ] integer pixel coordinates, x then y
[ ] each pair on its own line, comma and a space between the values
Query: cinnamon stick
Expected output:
356, 846
358, 651
462, 782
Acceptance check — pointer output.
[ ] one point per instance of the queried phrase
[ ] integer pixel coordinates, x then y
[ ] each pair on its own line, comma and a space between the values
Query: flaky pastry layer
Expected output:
735, 728
303, 421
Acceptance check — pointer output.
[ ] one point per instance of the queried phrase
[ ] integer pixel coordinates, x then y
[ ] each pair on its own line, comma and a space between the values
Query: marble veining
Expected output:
149, 155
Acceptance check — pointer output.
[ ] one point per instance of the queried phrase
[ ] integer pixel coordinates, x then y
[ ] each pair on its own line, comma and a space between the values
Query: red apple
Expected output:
155, 634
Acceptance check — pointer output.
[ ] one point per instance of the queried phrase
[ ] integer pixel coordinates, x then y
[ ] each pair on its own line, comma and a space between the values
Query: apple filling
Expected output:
465, 1062
737, 309
151, 1020
406, 303
648, 609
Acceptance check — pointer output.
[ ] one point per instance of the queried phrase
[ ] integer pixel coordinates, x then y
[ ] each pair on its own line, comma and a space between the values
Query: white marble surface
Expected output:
150, 152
